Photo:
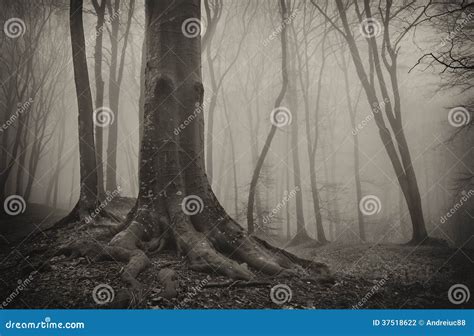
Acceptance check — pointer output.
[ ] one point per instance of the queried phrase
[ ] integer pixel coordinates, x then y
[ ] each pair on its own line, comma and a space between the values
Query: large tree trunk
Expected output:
176, 205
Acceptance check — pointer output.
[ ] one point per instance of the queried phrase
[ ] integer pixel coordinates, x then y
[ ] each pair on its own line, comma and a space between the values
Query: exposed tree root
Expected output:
301, 238
169, 279
136, 259
319, 269
82, 214
428, 241
223, 249
236, 283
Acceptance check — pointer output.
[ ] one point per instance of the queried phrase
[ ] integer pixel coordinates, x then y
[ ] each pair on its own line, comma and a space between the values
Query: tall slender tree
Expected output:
385, 58
88, 172
277, 105
99, 90
117, 65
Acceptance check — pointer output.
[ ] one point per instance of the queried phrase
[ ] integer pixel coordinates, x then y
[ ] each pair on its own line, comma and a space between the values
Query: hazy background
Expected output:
246, 96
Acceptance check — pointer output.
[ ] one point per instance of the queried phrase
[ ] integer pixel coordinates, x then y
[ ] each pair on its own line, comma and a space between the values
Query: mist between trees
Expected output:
235, 123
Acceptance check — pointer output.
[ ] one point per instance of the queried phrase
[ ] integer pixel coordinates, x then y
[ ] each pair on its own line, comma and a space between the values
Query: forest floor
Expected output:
366, 275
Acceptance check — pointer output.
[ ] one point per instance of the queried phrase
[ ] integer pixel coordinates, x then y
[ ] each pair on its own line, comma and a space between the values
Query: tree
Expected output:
452, 58
303, 59
99, 91
396, 146
352, 109
218, 81
250, 89
20, 56
88, 172
115, 81
277, 105
176, 206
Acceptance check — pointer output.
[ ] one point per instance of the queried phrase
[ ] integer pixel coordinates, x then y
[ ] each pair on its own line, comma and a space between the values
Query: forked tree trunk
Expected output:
401, 162
176, 205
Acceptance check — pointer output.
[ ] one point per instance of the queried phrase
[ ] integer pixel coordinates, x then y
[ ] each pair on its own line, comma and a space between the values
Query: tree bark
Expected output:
99, 92
88, 173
